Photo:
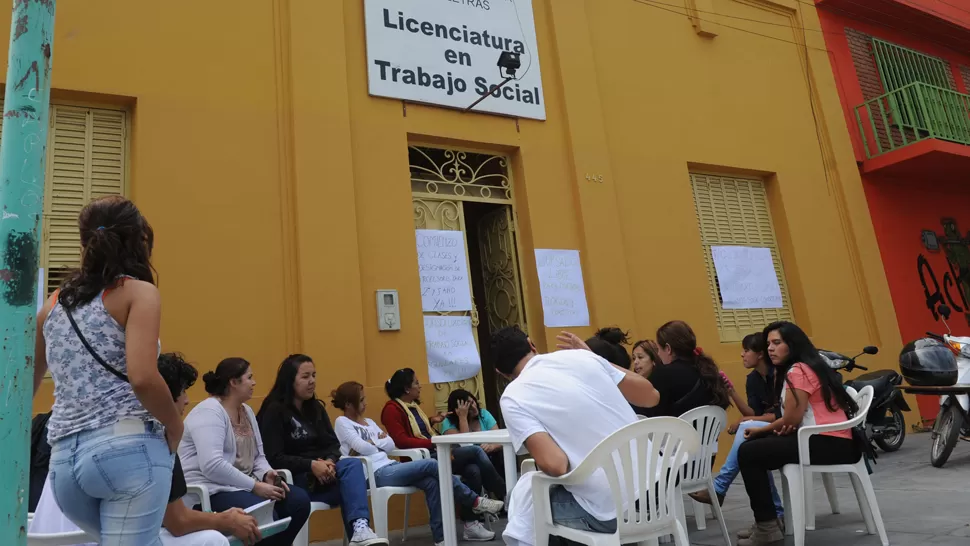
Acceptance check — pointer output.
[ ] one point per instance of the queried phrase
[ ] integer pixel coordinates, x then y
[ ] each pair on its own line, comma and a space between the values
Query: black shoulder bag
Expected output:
90, 349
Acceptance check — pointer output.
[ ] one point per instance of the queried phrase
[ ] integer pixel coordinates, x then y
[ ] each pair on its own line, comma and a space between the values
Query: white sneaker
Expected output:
476, 532
486, 505
365, 536
442, 543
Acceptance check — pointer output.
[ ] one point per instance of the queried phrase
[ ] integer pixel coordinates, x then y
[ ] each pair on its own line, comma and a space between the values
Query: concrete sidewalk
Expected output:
920, 505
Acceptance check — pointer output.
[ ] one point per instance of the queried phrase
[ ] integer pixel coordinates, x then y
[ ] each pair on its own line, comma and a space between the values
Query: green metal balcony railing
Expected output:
912, 113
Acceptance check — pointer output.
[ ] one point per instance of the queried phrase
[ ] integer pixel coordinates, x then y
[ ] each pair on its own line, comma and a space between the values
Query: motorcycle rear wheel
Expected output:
946, 432
894, 442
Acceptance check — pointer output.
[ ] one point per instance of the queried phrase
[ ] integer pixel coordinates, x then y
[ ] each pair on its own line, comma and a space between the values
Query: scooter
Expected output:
885, 424
953, 421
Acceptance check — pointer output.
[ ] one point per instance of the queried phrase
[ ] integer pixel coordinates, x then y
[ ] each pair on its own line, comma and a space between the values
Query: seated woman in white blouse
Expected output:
221, 448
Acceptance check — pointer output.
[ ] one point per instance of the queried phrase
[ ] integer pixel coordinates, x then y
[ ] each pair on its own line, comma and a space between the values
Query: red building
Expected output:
903, 71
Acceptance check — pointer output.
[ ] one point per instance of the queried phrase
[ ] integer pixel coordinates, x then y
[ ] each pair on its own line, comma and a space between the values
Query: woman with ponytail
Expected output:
114, 427
689, 378
223, 450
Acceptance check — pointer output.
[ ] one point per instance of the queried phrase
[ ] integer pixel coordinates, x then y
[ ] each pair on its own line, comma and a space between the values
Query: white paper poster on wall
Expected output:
561, 288
443, 267
747, 277
452, 353
445, 52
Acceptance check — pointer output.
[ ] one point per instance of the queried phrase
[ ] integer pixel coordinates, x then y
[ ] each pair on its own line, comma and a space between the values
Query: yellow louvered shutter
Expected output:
734, 211
86, 159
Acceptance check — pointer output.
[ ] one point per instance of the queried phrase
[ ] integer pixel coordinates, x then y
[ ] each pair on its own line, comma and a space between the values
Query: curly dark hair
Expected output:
608, 343
116, 241
178, 374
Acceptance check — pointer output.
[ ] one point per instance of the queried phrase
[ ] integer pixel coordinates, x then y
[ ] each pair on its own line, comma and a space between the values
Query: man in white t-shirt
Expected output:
560, 406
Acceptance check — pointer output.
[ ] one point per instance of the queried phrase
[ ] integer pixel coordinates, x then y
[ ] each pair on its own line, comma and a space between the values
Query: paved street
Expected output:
920, 505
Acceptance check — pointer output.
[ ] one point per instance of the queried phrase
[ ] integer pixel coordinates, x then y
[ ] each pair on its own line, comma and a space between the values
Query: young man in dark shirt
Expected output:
760, 407
179, 520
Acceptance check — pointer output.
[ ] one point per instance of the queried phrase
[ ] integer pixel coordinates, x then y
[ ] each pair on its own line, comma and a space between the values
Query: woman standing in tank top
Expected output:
114, 427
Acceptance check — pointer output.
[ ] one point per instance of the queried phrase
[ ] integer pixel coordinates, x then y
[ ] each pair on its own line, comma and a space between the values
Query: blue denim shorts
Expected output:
114, 482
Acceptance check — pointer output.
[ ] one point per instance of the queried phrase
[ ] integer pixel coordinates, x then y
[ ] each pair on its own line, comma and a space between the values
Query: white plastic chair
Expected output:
303, 537
68, 538
709, 422
197, 495
58, 539
799, 503
656, 478
828, 483
379, 498
528, 465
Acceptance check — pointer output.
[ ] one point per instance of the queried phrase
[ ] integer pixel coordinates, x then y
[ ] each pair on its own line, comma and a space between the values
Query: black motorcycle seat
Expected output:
879, 380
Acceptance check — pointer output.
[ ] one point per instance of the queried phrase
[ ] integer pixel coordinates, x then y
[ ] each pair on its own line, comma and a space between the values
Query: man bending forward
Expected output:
560, 406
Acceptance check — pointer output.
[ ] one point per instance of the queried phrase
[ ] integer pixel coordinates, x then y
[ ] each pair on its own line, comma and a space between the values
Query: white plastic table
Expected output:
444, 443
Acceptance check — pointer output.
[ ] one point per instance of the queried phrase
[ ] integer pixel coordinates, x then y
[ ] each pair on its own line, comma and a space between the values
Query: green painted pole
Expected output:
22, 155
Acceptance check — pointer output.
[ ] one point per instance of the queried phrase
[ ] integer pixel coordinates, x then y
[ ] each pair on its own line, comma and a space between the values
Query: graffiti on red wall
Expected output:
953, 288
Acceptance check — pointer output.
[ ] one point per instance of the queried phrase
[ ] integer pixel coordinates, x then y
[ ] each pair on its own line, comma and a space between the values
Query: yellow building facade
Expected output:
284, 196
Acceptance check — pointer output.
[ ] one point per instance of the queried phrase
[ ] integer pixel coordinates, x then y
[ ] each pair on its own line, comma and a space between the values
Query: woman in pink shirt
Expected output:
810, 394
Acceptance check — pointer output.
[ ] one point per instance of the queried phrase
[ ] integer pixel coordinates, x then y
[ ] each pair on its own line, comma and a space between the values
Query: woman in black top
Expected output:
298, 436
688, 379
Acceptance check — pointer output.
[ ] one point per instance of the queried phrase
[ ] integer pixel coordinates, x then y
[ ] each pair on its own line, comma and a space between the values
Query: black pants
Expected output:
498, 462
473, 466
757, 457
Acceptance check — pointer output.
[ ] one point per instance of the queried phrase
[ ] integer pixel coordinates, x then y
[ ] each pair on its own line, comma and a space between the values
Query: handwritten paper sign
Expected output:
561, 287
747, 277
452, 353
443, 267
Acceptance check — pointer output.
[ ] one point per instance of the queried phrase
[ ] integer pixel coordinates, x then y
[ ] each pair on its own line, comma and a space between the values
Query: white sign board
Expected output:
443, 267
747, 277
561, 288
445, 52
452, 353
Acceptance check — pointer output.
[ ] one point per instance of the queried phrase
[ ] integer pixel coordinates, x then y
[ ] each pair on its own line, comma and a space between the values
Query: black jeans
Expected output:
472, 464
757, 457
498, 463
477, 470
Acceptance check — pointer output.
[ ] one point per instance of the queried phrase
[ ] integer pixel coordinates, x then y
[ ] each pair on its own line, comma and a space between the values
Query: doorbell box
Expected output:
388, 311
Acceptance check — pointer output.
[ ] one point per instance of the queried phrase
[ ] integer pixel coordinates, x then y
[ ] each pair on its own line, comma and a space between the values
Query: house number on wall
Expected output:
597, 178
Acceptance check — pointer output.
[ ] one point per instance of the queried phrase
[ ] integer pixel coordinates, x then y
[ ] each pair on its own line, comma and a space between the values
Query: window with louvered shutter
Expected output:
734, 211
87, 154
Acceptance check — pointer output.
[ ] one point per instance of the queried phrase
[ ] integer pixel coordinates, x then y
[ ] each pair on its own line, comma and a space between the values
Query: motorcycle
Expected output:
953, 421
885, 424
